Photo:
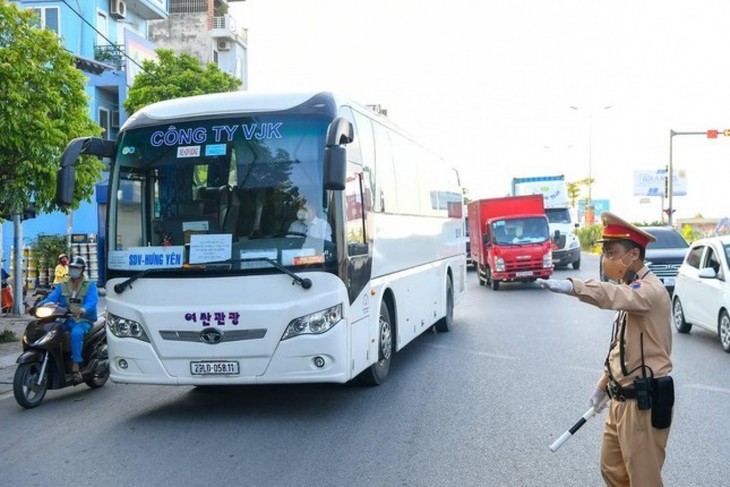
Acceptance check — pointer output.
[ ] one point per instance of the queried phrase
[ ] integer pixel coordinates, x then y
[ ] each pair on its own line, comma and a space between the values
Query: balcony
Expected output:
224, 27
110, 54
148, 9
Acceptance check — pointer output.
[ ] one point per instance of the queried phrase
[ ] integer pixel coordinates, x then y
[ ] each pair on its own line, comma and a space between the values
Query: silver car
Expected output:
702, 290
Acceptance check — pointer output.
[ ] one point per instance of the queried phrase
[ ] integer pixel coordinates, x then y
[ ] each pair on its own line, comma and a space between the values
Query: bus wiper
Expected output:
305, 282
120, 288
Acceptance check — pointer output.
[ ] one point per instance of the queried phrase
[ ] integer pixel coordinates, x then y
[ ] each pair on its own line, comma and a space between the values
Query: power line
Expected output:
120, 51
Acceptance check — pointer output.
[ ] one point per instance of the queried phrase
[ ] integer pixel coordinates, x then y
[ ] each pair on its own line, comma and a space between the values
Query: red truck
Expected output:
510, 239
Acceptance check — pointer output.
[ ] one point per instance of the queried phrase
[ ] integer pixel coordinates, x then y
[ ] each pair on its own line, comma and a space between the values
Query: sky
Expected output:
488, 85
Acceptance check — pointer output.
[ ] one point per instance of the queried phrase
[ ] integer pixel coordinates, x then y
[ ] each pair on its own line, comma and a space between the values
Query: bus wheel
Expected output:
378, 372
447, 322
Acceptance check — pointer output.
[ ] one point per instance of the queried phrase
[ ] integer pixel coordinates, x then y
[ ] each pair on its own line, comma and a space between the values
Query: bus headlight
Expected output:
315, 323
547, 260
124, 328
499, 264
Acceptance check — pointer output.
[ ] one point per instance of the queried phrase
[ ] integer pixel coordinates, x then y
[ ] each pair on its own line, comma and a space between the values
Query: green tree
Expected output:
43, 107
175, 76
573, 192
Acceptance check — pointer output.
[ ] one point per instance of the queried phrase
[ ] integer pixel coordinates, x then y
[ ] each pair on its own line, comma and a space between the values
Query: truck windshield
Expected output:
227, 189
558, 215
520, 231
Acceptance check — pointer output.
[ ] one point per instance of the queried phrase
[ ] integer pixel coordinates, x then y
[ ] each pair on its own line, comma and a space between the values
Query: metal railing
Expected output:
110, 54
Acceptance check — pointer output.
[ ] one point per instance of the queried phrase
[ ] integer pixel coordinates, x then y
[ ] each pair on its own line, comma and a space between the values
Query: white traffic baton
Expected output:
588, 415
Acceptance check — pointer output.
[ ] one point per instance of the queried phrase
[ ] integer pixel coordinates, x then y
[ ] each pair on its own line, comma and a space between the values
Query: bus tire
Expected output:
447, 322
378, 372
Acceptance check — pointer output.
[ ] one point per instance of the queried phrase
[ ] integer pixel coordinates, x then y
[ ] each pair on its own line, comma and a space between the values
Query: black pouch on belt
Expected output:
663, 401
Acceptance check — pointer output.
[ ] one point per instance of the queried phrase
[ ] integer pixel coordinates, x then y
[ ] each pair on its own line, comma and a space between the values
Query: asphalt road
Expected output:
478, 406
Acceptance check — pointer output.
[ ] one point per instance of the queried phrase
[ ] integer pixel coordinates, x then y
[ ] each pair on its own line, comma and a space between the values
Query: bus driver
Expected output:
311, 225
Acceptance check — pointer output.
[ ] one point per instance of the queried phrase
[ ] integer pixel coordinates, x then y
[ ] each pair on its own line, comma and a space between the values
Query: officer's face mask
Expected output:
74, 273
615, 269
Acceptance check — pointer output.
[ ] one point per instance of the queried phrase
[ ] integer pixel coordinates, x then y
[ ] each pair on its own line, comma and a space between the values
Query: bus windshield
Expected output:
520, 231
242, 190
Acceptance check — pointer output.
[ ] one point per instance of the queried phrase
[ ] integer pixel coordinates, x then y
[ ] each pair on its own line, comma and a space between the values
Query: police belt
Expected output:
618, 393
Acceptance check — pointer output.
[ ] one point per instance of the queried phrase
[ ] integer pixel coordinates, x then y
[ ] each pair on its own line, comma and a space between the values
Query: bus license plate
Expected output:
214, 368
523, 274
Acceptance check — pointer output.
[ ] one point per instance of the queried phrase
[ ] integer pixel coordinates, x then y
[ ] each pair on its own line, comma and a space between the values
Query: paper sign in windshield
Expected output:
142, 258
210, 248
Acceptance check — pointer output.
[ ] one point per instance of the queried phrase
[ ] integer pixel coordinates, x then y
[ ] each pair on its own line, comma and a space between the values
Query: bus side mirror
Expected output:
66, 178
339, 133
335, 164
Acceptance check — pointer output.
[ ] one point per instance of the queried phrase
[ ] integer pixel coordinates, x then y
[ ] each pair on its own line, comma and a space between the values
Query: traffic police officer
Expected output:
637, 367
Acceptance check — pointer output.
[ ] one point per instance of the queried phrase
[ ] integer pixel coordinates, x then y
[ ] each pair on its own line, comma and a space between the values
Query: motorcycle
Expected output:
46, 359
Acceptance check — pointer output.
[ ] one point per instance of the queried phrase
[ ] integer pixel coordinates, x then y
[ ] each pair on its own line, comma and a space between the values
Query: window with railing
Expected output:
188, 6
110, 54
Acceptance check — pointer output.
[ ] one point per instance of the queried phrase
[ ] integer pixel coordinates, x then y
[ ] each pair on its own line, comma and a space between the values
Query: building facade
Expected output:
205, 30
109, 40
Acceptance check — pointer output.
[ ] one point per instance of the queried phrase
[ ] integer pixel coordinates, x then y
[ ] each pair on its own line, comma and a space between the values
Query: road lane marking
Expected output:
472, 352
703, 387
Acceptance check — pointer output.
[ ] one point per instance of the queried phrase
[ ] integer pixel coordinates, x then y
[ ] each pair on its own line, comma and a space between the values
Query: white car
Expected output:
702, 291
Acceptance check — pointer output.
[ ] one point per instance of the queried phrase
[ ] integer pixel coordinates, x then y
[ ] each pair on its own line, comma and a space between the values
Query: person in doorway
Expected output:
61, 272
637, 366
310, 225
80, 296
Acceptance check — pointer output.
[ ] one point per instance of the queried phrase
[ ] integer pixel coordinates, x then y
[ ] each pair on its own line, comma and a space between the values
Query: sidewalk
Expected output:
10, 351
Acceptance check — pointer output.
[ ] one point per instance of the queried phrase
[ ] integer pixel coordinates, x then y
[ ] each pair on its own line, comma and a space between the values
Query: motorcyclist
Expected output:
80, 296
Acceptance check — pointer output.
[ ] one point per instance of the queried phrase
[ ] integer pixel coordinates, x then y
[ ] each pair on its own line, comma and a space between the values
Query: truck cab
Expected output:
510, 240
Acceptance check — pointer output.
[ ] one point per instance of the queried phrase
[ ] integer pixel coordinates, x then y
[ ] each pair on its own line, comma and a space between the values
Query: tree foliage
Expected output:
43, 107
175, 76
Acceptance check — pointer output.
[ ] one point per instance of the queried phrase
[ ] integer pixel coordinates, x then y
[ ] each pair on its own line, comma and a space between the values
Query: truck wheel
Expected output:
447, 322
480, 273
494, 283
378, 372
576, 264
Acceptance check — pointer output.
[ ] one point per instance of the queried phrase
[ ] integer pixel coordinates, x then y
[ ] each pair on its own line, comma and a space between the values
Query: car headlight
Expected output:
124, 328
499, 264
547, 260
314, 323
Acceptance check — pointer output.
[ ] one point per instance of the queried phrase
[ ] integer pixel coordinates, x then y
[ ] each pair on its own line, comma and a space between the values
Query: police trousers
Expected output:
633, 451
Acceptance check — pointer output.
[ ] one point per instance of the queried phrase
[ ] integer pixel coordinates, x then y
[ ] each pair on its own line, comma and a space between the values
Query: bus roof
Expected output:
229, 103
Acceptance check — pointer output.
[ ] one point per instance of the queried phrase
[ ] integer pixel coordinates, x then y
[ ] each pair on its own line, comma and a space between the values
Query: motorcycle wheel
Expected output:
99, 377
27, 392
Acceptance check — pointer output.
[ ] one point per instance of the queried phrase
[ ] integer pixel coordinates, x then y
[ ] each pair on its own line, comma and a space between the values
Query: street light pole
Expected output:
589, 200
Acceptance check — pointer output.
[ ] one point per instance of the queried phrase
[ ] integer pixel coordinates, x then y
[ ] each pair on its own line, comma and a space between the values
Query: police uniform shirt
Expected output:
648, 312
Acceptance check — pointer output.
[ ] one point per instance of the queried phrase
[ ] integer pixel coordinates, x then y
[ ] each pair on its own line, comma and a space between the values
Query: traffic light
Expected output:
29, 211
712, 134
666, 184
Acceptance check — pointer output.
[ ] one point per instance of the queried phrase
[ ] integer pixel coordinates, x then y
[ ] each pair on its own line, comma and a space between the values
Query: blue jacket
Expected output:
90, 301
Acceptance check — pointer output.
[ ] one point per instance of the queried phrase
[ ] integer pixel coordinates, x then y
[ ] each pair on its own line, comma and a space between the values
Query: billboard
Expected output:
651, 183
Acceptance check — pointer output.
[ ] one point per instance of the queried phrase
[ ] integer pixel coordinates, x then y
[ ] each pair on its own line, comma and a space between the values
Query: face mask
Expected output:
74, 273
614, 268
64, 262
302, 215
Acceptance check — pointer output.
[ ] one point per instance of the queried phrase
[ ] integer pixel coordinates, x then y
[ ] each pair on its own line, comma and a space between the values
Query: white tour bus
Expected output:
261, 238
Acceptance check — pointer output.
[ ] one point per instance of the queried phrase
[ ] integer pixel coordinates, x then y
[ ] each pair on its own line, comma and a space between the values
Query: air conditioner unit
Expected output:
117, 9
224, 45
